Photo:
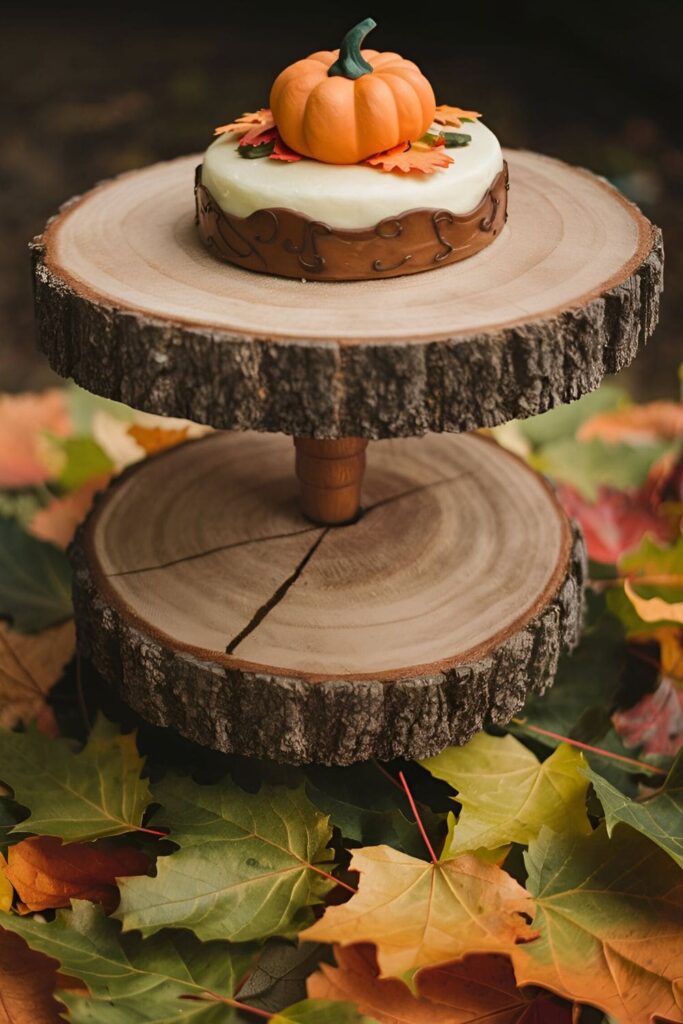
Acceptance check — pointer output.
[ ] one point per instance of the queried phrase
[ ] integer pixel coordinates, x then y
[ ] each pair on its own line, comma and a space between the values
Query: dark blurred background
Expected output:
89, 91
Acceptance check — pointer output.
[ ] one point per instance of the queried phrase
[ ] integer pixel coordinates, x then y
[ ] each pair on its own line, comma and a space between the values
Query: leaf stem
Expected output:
586, 746
332, 878
418, 819
151, 831
257, 1011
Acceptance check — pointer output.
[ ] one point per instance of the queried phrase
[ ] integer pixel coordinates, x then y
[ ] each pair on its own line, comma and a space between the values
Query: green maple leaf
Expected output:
609, 916
35, 580
368, 809
321, 1011
659, 817
586, 465
131, 979
244, 869
77, 796
508, 795
84, 459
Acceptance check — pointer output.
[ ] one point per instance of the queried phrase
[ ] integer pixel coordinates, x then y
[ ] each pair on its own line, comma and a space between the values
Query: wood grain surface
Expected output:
219, 609
131, 306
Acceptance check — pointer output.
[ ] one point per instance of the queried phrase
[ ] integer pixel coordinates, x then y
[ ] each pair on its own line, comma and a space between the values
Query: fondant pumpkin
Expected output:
341, 106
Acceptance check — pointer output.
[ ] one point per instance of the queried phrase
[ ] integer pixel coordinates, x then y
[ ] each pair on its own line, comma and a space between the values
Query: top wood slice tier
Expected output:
132, 307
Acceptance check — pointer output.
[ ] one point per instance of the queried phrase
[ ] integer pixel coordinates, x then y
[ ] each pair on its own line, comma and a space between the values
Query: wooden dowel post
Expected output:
331, 475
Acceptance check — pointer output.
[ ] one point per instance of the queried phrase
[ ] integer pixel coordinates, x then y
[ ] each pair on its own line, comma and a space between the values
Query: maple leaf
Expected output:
454, 116
262, 118
27, 984
279, 975
588, 466
81, 459
369, 809
56, 522
47, 874
670, 650
78, 796
25, 420
507, 794
655, 723
248, 864
29, 667
161, 979
419, 913
321, 1011
609, 917
6, 889
636, 424
406, 158
656, 569
658, 816
477, 990
35, 581
615, 522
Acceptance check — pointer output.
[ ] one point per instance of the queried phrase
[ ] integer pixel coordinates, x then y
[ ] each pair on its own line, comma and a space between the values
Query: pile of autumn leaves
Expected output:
514, 879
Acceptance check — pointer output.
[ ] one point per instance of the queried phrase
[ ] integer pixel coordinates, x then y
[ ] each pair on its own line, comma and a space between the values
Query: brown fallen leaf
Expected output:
47, 874
57, 521
480, 989
27, 983
418, 913
406, 158
655, 723
454, 116
30, 664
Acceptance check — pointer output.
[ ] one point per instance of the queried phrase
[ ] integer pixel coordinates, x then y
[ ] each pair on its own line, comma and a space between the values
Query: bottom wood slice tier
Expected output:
203, 593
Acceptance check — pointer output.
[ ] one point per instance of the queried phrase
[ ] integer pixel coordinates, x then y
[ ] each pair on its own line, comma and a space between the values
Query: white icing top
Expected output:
350, 196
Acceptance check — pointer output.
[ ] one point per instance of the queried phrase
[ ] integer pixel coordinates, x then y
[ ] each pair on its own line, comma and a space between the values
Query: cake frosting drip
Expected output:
287, 243
349, 196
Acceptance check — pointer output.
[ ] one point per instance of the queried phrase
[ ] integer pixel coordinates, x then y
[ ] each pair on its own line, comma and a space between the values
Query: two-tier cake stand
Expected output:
214, 584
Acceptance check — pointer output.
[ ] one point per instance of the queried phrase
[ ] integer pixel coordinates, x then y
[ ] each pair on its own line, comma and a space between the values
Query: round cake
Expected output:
339, 207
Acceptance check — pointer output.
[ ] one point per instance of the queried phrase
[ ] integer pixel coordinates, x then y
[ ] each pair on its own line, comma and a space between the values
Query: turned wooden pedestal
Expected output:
334, 618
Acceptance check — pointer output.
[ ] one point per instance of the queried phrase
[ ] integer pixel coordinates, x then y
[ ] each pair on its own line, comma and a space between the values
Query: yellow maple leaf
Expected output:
454, 116
406, 158
655, 609
418, 913
261, 119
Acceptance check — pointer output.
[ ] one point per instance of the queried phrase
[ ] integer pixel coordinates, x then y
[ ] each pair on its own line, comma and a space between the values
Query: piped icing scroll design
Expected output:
288, 244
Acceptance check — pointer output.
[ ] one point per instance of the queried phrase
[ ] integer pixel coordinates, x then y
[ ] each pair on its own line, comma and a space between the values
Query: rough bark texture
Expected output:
336, 722
324, 390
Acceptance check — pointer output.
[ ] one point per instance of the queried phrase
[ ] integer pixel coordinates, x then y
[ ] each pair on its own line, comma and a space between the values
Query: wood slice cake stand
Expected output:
222, 595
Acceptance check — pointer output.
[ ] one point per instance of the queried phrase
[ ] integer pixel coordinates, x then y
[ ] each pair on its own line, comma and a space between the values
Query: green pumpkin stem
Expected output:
351, 63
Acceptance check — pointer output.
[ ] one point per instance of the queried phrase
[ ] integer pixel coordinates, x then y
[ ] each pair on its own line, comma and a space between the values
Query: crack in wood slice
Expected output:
213, 551
276, 596
130, 305
439, 610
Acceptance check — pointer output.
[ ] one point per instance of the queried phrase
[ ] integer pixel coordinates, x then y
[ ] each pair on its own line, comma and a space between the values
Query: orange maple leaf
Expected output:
30, 665
635, 424
56, 522
259, 119
47, 874
155, 439
478, 988
418, 913
25, 420
454, 115
27, 983
406, 158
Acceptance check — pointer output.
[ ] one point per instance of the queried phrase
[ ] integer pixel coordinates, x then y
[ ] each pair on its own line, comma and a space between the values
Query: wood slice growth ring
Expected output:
131, 306
204, 594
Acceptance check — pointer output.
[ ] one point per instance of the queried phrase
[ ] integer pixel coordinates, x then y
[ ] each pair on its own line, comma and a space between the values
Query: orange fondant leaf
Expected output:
281, 151
406, 158
454, 115
47, 874
261, 119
